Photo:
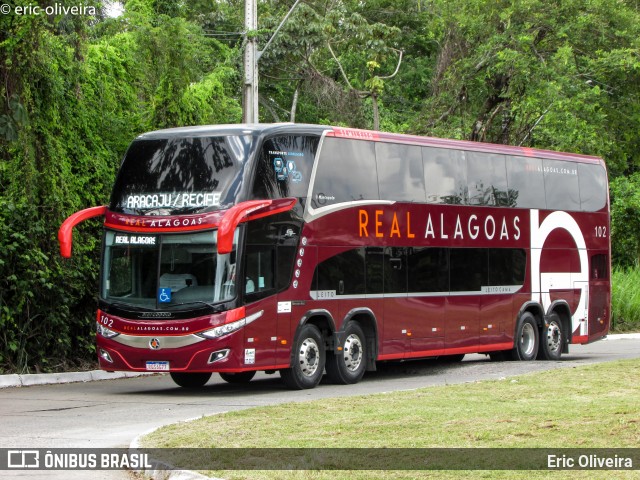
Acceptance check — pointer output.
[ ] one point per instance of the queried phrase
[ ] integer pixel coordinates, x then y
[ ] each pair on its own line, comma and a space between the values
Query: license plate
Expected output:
158, 366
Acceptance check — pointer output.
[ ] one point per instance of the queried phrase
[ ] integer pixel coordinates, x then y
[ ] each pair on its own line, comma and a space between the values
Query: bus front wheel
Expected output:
347, 366
190, 380
308, 360
526, 347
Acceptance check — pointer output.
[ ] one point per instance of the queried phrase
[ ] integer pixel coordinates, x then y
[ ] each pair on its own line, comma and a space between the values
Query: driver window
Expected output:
259, 271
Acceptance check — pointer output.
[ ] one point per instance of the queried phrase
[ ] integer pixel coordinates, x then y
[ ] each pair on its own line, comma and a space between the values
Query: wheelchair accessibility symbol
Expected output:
164, 295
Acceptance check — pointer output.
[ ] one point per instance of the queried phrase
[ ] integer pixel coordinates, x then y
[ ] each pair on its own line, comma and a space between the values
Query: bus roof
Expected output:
263, 129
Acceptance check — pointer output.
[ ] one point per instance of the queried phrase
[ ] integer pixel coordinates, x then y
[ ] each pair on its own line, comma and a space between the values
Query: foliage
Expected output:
72, 107
625, 299
625, 220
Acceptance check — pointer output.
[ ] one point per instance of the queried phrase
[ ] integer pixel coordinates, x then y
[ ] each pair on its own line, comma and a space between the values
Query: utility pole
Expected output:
250, 94
251, 57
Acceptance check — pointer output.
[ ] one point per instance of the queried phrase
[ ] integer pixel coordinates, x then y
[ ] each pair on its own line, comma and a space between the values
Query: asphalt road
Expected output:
112, 413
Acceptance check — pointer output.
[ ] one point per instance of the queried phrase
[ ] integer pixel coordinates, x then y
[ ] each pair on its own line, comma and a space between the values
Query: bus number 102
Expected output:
601, 232
106, 321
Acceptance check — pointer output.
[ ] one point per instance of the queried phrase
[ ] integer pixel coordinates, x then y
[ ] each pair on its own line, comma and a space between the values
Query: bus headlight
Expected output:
105, 332
231, 327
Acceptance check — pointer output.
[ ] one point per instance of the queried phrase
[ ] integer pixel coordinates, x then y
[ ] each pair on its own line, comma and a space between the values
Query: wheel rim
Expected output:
309, 357
527, 339
554, 337
352, 352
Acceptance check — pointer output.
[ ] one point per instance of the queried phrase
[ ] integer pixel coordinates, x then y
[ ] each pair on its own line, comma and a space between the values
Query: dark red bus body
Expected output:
562, 260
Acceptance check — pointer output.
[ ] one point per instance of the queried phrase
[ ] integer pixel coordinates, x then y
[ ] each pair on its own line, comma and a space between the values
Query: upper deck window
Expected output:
346, 172
180, 175
400, 172
284, 167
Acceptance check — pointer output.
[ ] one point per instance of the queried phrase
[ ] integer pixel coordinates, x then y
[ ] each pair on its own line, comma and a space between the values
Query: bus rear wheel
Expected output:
348, 365
190, 380
308, 361
240, 377
552, 338
526, 347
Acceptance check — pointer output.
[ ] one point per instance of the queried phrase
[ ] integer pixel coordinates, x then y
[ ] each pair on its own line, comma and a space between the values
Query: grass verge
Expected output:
625, 299
588, 407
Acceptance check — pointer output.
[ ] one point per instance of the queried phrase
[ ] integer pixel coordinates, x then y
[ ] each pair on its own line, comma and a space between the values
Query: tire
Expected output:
552, 339
309, 357
190, 380
526, 341
237, 378
347, 366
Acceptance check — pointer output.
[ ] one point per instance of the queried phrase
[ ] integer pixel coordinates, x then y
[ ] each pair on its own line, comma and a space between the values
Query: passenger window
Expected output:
561, 185
285, 166
346, 172
593, 187
375, 270
469, 269
445, 175
428, 269
395, 270
342, 273
487, 176
506, 266
400, 173
526, 183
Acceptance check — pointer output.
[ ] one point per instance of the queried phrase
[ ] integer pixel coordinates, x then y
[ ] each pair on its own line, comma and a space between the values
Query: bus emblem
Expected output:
154, 344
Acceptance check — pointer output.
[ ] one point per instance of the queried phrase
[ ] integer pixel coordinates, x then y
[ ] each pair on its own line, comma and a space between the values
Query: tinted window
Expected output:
346, 172
445, 174
343, 273
469, 269
428, 270
375, 270
561, 185
506, 266
400, 173
395, 270
526, 182
180, 175
593, 187
599, 267
487, 177
284, 168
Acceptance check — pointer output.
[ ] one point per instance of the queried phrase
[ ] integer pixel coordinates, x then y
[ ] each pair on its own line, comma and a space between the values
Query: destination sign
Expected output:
147, 201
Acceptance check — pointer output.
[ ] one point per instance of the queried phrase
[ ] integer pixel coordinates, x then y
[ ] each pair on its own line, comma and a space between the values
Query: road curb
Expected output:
32, 379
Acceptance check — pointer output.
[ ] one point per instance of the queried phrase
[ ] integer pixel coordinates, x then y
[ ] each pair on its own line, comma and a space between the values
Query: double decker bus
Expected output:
305, 248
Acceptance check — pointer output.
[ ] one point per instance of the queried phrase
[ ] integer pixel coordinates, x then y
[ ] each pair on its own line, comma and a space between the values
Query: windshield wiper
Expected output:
195, 302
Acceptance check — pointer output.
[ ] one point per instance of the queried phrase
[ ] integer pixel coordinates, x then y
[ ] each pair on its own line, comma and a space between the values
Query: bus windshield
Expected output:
164, 271
180, 175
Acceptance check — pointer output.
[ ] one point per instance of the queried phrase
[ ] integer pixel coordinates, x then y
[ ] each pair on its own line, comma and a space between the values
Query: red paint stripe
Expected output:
580, 339
492, 347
